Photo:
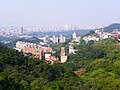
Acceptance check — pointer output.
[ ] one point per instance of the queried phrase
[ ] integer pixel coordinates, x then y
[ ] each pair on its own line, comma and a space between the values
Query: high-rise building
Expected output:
63, 56
74, 36
62, 39
55, 39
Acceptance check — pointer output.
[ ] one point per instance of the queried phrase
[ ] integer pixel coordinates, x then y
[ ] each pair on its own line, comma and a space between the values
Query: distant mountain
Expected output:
57, 33
111, 27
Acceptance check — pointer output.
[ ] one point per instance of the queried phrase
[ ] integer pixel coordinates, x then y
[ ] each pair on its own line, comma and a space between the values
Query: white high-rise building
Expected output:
55, 39
62, 39
74, 36
63, 56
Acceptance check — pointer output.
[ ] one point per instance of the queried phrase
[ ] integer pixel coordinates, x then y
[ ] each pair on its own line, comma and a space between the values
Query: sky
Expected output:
59, 12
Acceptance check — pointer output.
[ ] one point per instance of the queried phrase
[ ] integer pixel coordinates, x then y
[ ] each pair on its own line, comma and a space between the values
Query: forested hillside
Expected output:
99, 63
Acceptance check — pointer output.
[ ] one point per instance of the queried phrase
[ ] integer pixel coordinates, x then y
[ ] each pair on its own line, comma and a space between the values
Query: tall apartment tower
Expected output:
63, 56
62, 39
55, 39
74, 35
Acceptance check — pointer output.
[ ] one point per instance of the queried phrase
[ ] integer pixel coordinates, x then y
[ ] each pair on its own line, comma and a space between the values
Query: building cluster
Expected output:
40, 52
99, 35
90, 38
54, 39
11, 30
30, 48
60, 39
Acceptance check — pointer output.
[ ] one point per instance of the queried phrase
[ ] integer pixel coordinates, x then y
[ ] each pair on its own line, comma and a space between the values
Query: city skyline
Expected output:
59, 13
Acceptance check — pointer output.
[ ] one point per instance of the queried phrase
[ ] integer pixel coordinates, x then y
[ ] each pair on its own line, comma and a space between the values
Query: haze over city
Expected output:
59, 12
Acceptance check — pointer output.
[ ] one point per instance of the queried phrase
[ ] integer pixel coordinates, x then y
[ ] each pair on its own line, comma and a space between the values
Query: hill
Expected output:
111, 27
97, 65
57, 33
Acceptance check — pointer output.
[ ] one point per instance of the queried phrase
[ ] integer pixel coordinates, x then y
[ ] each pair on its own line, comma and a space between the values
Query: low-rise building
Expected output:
71, 49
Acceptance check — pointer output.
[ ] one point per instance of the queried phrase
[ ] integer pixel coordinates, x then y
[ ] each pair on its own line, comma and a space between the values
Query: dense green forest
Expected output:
99, 61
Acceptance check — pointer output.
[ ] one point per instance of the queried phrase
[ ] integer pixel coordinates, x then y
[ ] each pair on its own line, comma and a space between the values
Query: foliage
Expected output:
99, 60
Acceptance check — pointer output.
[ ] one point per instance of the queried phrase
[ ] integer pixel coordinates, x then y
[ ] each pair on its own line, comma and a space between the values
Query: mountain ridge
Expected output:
111, 27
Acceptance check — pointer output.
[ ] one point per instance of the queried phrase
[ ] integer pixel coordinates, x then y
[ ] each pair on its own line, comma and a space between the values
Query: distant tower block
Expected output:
74, 35
62, 39
63, 57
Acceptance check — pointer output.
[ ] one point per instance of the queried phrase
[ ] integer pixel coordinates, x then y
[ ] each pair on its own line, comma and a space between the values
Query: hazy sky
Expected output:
59, 12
